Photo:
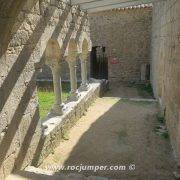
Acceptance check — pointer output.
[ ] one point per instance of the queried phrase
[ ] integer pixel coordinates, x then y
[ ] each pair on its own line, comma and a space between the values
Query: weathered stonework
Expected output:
166, 65
56, 127
126, 35
26, 26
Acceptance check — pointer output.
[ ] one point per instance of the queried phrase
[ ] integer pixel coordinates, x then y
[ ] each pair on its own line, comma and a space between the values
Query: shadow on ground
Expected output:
117, 133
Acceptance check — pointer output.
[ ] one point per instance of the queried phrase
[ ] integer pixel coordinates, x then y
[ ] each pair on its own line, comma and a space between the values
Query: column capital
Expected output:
71, 56
84, 56
71, 63
53, 64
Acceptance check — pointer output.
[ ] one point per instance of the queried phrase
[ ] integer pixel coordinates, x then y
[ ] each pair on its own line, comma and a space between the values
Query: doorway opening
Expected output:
99, 63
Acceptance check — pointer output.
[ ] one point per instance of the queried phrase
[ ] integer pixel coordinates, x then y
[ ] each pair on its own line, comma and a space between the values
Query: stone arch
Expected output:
52, 60
52, 52
85, 42
72, 49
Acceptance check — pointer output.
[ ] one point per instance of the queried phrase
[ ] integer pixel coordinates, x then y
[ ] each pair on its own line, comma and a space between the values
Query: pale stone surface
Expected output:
165, 65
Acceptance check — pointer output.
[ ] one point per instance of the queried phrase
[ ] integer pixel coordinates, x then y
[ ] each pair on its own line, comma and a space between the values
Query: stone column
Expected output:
84, 84
73, 80
57, 107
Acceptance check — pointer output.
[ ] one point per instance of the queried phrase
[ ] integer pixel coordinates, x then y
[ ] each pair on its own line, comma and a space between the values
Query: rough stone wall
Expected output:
126, 36
166, 65
25, 28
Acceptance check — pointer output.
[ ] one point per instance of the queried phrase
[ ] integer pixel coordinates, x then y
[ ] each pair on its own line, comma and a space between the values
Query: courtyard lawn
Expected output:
46, 98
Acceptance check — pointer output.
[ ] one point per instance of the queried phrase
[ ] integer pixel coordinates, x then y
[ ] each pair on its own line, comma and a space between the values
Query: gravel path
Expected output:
117, 132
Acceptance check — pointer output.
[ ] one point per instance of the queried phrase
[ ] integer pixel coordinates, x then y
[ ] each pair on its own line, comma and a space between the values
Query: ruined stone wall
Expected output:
166, 65
25, 28
126, 36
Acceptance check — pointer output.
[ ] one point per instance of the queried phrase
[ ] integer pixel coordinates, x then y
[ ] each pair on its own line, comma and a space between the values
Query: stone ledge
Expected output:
54, 127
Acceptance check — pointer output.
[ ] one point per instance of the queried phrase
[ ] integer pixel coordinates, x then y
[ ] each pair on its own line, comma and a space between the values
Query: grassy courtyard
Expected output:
46, 98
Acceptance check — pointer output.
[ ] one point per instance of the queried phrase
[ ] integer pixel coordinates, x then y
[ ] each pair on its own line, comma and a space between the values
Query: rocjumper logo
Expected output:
94, 168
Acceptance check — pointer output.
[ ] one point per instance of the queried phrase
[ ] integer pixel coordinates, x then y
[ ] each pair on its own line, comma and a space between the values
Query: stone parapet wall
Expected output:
56, 127
126, 34
26, 26
166, 65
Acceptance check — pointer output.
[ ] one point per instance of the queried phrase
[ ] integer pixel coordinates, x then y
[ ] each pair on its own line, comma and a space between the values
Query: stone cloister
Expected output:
139, 39
53, 58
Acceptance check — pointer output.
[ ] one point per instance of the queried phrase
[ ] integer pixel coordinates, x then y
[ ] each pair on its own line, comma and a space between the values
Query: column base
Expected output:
56, 109
73, 97
84, 87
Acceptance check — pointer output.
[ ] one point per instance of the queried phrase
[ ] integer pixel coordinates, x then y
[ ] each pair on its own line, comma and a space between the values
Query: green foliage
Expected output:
148, 88
161, 129
144, 89
165, 135
161, 119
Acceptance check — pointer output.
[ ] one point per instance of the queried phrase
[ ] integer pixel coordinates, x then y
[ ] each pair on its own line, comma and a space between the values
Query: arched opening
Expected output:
72, 48
53, 51
49, 87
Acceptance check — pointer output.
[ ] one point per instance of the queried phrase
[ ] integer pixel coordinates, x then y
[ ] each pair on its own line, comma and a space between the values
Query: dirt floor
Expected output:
118, 132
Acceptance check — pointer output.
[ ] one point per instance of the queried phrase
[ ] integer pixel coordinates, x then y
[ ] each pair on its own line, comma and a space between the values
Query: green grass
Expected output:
46, 98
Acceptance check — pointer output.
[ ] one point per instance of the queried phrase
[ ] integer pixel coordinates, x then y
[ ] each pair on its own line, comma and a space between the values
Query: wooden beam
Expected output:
79, 2
101, 5
91, 9
86, 2
104, 3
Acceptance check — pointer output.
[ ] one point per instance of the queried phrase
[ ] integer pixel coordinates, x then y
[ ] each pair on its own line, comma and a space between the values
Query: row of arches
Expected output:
54, 58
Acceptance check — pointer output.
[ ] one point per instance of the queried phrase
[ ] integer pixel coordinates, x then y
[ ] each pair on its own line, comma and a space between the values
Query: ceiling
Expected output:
100, 5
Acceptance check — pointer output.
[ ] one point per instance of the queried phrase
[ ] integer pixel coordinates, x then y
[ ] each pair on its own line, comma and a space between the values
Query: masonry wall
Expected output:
166, 65
25, 28
126, 36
